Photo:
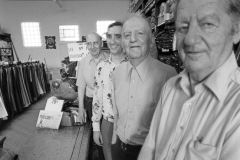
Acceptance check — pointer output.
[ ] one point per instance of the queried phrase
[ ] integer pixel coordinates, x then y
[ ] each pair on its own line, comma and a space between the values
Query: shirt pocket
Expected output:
200, 151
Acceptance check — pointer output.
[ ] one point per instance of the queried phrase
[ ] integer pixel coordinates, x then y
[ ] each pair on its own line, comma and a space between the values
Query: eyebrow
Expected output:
211, 16
114, 34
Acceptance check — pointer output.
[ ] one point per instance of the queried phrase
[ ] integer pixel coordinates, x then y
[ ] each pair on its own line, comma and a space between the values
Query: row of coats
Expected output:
20, 86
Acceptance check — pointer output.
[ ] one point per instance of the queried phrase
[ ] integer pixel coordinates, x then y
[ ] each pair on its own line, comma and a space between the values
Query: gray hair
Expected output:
130, 15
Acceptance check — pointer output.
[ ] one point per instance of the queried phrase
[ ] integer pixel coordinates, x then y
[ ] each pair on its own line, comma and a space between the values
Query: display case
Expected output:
6, 50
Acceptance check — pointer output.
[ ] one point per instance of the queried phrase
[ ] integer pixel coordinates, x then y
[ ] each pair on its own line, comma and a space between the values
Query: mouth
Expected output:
114, 47
133, 47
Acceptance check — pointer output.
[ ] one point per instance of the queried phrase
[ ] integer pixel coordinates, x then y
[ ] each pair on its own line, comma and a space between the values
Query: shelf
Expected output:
148, 6
159, 25
136, 7
166, 22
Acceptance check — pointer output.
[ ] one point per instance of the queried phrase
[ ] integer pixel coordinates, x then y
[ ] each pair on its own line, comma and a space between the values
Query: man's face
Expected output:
204, 39
94, 44
114, 39
136, 38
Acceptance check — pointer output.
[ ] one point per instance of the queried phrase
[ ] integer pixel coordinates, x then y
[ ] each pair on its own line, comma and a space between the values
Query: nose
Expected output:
113, 40
192, 36
133, 37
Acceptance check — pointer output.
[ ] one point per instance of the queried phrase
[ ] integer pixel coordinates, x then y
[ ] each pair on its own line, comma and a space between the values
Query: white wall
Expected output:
50, 15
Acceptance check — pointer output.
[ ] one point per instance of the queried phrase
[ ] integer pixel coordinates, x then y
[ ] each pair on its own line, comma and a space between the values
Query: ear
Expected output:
152, 42
236, 36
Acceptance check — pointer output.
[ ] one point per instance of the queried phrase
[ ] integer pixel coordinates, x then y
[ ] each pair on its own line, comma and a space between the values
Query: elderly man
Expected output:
198, 116
85, 77
137, 86
102, 98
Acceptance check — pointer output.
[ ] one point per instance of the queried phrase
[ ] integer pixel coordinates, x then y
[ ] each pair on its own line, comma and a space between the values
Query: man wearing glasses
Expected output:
85, 78
102, 97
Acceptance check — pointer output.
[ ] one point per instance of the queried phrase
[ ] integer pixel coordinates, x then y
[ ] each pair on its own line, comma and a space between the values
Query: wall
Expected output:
50, 15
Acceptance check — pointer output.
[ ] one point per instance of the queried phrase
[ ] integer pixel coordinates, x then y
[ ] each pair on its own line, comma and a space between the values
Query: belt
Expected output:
108, 119
89, 97
125, 146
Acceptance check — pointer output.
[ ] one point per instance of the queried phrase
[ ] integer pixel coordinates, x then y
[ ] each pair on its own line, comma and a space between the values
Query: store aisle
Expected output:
18, 129
22, 126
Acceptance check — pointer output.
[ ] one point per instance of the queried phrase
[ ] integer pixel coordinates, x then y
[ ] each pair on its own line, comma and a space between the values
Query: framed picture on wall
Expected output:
50, 42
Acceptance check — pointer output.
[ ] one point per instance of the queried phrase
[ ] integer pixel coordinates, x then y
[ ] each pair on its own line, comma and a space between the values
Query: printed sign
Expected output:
54, 104
49, 119
77, 51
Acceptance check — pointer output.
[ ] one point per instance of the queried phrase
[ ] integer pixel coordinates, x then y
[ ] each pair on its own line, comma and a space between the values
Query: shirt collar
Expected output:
219, 79
102, 55
124, 59
141, 69
217, 82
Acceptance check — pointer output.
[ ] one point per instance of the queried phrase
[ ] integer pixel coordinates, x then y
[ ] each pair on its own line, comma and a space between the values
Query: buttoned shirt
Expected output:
85, 73
203, 126
102, 97
137, 91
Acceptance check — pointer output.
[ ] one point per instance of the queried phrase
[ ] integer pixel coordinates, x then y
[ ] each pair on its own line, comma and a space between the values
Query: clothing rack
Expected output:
22, 84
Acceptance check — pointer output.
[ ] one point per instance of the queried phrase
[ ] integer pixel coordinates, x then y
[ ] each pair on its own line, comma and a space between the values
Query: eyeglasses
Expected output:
94, 44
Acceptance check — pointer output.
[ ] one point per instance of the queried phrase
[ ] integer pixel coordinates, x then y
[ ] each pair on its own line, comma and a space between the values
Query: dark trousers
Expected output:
122, 151
88, 107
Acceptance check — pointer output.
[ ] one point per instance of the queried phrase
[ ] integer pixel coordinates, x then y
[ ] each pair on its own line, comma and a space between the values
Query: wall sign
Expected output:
77, 51
50, 42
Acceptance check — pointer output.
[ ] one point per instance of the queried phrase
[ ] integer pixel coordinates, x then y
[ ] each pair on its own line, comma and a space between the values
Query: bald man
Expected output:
85, 78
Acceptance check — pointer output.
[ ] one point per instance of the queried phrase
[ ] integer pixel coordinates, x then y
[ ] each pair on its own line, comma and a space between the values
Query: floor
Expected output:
21, 126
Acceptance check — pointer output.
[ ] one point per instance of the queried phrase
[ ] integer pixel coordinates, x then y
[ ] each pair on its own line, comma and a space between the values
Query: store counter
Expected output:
67, 143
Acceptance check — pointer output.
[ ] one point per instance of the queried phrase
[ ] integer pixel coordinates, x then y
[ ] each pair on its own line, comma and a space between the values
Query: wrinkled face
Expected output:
114, 39
136, 38
94, 44
204, 38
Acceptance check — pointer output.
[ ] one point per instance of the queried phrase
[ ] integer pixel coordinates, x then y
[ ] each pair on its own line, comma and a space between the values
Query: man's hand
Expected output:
97, 137
114, 138
82, 116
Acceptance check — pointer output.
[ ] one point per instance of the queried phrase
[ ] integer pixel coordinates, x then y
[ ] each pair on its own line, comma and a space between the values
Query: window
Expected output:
69, 33
31, 34
102, 28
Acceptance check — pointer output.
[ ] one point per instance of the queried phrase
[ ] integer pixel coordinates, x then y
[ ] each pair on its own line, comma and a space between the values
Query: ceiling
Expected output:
67, 0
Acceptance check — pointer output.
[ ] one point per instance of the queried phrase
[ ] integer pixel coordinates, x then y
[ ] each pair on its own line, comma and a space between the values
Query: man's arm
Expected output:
97, 107
116, 116
231, 146
146, 154
149, 146
82, 116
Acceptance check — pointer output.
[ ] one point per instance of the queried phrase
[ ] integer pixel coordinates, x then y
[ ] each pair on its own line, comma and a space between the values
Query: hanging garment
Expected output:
45, 79
4, 89
18, 86
3, 111
15, 90
24, 70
